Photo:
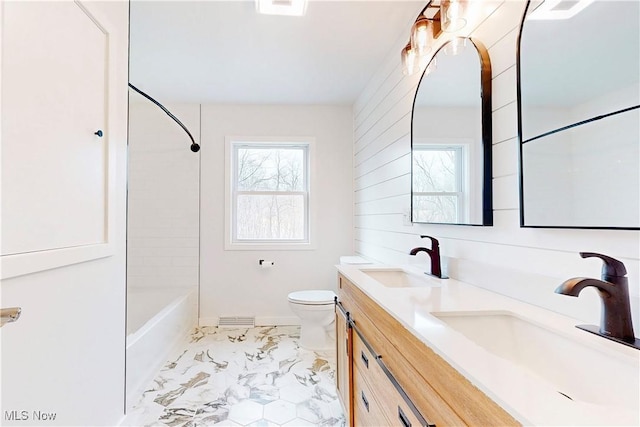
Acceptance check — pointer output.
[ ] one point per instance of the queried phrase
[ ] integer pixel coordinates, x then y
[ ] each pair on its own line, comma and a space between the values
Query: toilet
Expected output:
316, 313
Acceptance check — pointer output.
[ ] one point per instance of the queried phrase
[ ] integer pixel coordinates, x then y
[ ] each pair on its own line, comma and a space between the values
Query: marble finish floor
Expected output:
243, 377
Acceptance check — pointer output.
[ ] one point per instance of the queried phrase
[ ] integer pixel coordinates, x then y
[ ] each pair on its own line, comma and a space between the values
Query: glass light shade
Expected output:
423, 61
455, 46
409, 60
431, 67
452, 15
422, 35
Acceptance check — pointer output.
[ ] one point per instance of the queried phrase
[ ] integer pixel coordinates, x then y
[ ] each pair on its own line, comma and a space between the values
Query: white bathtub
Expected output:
158, 320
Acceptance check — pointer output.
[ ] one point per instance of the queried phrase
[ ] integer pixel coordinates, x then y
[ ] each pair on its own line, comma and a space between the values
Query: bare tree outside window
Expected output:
271, 192
437, 184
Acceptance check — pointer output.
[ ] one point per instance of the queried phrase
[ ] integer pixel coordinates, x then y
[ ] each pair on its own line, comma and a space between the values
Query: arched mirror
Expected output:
579, 114
451, 138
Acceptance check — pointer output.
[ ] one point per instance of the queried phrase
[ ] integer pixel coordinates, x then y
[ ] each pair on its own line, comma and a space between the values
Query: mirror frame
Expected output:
487, 134
520, 145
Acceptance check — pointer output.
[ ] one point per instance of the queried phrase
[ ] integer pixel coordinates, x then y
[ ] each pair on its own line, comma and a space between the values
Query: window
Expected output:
269, 192
438, 183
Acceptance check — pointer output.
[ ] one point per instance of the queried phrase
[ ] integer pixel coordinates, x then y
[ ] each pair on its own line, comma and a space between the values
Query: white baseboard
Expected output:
260, 321
277, 320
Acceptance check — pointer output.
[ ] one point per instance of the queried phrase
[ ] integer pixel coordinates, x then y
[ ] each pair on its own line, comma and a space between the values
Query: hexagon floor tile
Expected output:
249, 377
263, 423
246, 412
279, 411
299, 422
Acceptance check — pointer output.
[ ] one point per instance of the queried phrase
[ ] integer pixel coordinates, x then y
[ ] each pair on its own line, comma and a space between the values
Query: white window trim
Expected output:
229, 244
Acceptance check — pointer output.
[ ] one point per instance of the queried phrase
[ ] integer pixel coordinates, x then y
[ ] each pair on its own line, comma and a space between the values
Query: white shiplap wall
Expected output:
524, 263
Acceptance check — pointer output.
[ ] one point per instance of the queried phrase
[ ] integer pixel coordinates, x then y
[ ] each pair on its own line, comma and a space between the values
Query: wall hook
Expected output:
99, 133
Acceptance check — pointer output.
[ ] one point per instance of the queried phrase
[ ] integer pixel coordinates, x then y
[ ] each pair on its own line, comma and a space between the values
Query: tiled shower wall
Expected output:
163, 199
524, 263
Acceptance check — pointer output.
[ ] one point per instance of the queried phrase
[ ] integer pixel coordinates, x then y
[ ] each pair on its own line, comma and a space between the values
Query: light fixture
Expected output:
559, 9
451, 15
413, 63
282, 7
424, 32
437, 16
422, 35
409, 60
455, 46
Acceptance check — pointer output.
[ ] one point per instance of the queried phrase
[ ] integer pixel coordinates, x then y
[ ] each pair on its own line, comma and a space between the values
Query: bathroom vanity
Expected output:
417, 351
389, 386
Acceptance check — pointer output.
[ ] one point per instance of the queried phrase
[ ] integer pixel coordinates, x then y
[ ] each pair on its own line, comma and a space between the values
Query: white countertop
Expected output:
529, 398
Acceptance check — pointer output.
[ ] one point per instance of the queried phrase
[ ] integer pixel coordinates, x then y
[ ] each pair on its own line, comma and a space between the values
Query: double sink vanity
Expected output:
415, 350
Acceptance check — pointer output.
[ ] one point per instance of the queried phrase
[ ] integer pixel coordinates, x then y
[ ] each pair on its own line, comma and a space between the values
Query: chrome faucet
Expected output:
616, 323
434, 255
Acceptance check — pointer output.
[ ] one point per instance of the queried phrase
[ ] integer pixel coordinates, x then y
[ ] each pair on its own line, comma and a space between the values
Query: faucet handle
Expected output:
611, 267
434, 241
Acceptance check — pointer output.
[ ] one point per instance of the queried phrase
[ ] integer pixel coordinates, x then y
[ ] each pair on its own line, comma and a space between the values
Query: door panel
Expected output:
54, 169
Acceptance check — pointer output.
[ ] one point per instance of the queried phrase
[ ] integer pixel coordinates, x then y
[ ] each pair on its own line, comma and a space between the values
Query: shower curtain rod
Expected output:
194, 147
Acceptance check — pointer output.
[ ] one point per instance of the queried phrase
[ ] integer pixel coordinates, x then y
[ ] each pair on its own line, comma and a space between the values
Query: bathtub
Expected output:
158, 321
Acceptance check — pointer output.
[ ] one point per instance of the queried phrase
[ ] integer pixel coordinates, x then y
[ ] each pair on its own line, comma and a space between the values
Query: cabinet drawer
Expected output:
361, 417
368, 412
363, 358
392, 403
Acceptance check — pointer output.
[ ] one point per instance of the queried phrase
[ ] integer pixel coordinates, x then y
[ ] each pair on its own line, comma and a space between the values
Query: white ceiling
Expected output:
224, 52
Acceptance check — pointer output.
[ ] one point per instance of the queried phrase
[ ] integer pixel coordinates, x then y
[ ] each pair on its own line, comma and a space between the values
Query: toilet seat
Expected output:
312, 297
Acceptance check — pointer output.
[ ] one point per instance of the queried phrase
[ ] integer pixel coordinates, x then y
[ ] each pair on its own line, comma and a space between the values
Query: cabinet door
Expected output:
55, 151
343, 362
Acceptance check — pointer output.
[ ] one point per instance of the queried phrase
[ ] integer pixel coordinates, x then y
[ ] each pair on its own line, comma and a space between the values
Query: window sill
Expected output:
270, 246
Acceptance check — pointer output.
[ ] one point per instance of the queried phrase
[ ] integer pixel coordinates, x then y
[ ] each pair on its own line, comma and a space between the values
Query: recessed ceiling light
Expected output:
559, 9
282, 7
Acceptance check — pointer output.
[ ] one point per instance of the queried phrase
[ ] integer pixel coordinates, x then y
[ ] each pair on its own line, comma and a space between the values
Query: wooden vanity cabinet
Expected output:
396, 409
404, 382
368, 408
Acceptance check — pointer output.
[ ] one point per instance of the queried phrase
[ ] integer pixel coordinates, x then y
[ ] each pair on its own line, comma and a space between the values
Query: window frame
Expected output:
232, 144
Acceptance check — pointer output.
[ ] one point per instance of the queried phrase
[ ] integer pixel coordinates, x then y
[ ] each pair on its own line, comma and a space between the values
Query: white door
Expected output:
62, 212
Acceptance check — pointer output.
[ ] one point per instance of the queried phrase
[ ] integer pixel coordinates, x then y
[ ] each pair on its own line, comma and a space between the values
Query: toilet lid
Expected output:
312, 297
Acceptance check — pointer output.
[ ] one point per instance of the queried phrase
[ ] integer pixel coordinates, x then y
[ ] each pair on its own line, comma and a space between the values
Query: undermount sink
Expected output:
399, 278
577, 371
